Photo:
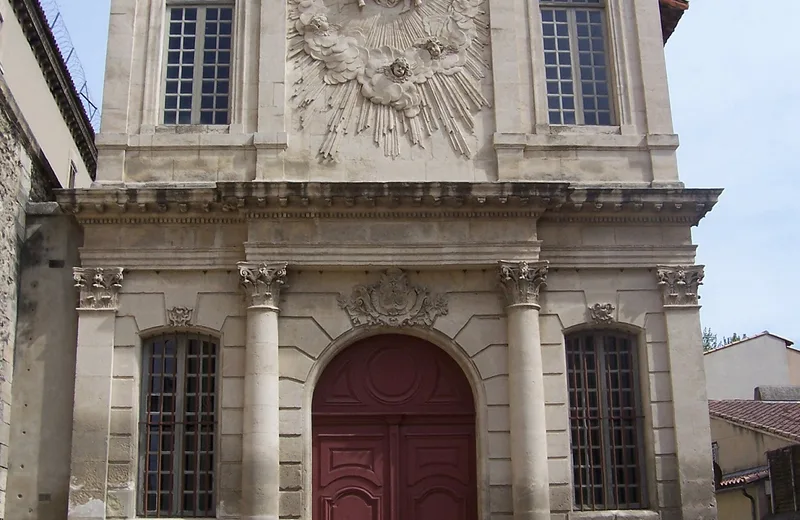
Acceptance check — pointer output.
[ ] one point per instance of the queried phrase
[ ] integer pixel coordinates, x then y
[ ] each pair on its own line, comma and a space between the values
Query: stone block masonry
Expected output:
21, 180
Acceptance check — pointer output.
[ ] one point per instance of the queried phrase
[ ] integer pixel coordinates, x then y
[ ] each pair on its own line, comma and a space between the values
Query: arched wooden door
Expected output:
393, 435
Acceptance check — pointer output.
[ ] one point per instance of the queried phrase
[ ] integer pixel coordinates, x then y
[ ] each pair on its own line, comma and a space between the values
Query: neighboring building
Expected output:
469, 217
743, 433
734, 371
46, 143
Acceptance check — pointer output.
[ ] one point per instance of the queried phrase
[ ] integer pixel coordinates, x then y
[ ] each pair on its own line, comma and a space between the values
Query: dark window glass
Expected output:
178, 427
207, 31
605, 421
575, 52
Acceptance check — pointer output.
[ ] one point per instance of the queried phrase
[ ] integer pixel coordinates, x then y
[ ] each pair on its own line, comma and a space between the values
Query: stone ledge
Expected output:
614, 515
580, 140
254, 199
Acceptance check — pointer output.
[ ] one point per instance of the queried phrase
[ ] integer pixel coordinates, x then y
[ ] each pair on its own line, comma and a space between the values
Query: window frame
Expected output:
571, 7
181, 336
610, 502
197, 78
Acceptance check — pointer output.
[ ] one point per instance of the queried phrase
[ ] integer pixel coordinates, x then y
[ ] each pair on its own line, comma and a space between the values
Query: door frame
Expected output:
435, 338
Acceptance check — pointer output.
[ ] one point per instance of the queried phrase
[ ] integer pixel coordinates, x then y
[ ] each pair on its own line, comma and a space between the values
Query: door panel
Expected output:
350, 472
437, 468
393, 422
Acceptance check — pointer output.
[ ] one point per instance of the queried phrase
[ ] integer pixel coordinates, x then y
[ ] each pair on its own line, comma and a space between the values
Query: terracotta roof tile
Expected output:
779, 418
746, 476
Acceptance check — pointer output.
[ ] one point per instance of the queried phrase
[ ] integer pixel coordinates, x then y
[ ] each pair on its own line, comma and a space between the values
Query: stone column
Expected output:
260, 440
679, 287
529, 472
97, 311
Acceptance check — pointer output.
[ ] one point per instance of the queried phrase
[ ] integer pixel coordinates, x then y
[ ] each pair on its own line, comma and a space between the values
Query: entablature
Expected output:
241, 201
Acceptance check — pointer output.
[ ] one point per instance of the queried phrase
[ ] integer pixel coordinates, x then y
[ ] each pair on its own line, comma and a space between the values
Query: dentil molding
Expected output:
262, 283
393, 302
98, 287
680, 284
522, 281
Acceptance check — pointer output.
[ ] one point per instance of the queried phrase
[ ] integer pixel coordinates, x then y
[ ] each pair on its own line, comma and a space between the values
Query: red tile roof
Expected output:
747, 476
778, 418
671, 13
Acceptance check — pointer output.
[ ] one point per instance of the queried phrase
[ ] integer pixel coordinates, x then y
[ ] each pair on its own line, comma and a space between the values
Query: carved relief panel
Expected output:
397, 70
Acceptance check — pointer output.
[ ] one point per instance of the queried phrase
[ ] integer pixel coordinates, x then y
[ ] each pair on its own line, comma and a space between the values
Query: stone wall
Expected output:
44, 362
21, 179
313, 329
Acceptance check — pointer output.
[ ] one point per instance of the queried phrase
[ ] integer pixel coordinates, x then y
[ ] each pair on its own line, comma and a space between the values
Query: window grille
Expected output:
178, 426
576, 62
198, 65
605, 421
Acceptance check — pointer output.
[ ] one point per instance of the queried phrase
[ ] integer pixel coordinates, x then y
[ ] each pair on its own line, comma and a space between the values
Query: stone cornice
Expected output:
54, 68
240, 201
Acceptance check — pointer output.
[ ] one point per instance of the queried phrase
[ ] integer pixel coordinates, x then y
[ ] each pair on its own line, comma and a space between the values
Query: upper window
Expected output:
73, 173
605, 421
178, 427
576, 62
198, 65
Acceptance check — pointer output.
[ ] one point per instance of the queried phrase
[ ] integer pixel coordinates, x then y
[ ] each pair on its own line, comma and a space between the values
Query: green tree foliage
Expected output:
711, 341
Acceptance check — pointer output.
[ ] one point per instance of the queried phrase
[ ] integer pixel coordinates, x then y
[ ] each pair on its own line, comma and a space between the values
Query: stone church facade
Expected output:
387, 258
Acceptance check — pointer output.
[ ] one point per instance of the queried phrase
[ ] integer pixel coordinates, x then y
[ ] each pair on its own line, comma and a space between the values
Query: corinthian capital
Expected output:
679, 284
98, 287
522, 281
262, 283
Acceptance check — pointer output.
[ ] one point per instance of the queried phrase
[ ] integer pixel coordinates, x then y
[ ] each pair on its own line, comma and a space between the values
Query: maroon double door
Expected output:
393, 435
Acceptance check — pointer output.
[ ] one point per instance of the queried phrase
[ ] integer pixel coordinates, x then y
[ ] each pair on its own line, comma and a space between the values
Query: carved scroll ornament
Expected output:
179, 316
680, 284
393, 71
521, 281
602, 312
393, 302
98, 287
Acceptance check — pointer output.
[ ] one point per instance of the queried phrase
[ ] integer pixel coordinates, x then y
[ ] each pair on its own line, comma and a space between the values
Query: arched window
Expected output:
605, 420
178, 426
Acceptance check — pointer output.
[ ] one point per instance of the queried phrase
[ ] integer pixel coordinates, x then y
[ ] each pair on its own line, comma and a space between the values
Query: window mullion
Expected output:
197, 81
574, 58
602, 375
178, 458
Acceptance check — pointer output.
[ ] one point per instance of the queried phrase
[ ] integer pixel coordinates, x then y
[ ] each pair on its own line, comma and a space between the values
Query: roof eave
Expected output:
54, 68
671, 13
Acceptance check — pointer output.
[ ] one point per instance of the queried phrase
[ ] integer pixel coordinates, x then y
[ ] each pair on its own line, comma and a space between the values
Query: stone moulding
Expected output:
179, 316
238, 201
679, 284
393, 302
262, 283
601, 313
393, 68
522, 281
98, 287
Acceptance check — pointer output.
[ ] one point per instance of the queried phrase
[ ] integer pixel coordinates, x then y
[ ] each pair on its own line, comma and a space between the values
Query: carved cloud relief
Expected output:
396, 67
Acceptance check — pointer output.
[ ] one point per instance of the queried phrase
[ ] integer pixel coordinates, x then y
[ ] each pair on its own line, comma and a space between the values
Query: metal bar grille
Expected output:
178, 427
605, 422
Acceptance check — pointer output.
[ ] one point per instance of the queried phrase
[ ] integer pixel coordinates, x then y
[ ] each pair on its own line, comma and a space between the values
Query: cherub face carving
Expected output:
399, 70
319, 23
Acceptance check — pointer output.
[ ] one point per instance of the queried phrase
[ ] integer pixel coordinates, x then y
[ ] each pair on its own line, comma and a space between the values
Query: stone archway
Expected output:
393, 422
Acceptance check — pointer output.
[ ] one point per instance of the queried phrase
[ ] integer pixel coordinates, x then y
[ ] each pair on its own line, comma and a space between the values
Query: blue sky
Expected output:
733, 73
